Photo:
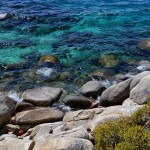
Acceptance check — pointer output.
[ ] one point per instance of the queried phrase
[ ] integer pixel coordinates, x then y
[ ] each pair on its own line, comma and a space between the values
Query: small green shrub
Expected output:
139, 116
110, 133
124, 133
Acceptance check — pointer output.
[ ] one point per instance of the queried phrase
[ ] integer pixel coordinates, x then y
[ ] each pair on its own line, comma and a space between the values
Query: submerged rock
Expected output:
116, 94
92, 89
144, 45
42, 96
40, 115
108, 61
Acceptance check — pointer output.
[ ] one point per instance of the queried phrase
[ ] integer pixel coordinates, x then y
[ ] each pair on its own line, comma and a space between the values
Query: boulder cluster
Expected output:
35, 124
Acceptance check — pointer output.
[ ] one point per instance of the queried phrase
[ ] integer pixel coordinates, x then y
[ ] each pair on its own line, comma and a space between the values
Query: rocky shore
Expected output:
35, 123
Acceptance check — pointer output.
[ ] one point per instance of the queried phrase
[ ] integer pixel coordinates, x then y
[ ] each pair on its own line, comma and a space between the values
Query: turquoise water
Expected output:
77, 32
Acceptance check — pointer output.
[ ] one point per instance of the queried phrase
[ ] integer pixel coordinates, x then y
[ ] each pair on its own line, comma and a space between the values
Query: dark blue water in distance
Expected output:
77, 32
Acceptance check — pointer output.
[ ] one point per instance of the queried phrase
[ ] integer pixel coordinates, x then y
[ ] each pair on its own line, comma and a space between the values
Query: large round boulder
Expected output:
116, 94
92, 89
40, 115
42, 96
137, 78
141, 92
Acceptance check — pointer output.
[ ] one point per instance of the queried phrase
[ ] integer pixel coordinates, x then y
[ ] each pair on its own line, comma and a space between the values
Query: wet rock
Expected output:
23, 106
144, 45
42, 129
113, 113
49, 61
121, 77
137, 78
116, 94
16, 144
81, 117
92, 89
108, 61
141, 92
78, 101
10, 103
99, 75
66, 143
40, 115
42, 96
5, 114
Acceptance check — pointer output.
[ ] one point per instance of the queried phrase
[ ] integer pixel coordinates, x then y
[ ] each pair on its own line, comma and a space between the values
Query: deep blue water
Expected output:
78, 32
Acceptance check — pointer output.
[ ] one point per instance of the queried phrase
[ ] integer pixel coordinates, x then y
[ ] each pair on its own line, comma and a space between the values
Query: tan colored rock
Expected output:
81, 117
40, 115
65, 143
79, 132
42, 96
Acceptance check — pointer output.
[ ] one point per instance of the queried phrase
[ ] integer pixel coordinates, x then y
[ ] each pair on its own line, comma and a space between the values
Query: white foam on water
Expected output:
4, 15
107, 83
45, 71
62, 106
141, 68
14, 95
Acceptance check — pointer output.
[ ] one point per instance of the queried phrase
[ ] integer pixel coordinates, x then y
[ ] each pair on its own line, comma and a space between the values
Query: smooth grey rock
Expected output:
116, 94
42, 96
92, 89
78, 101
42, 129
2, 137
141, 92
79, 132
10, 103
40, 115
137, 78
16, 144
5, 114
65, 143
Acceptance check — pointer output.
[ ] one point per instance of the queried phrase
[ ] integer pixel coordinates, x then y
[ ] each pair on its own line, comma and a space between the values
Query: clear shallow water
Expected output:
78, 32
